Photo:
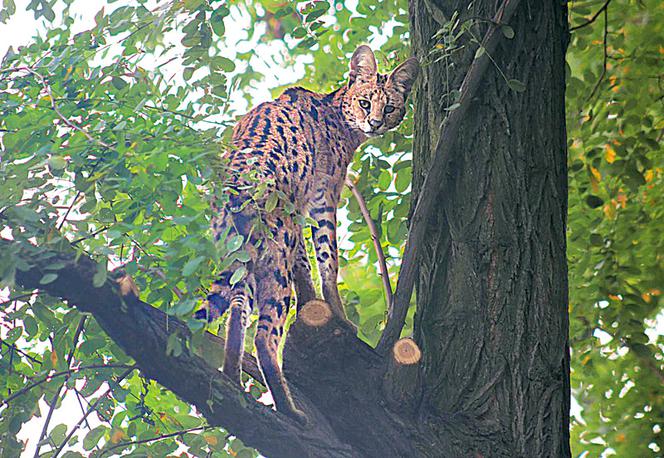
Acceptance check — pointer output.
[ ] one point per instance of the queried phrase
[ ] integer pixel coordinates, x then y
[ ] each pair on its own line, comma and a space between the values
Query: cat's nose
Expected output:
375, 123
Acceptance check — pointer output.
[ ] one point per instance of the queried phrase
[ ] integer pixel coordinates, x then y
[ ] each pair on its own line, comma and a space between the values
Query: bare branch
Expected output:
396, 315
69, 209
154, 439
54, 400
382, 265
49, 377
20, 352
20, 297
606, 53
89, 236
55, 108
593, 18
91, 409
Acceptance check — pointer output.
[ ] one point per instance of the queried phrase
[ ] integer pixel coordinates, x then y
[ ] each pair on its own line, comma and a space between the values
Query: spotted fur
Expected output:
299, 146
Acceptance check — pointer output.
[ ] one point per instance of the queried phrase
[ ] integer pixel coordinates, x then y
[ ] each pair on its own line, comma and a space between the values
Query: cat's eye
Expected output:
365, 104
389, 108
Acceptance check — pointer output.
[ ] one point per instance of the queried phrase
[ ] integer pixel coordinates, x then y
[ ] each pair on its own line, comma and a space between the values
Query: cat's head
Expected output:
376, 103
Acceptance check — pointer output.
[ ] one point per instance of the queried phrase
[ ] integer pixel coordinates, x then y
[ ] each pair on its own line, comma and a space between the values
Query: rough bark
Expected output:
492, 315
491, 322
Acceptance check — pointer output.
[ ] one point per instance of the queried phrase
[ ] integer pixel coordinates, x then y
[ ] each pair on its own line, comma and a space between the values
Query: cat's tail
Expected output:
240, 306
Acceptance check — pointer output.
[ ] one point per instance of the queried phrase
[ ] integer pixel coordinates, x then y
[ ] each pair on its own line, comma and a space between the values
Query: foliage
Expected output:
616, 216
108, 144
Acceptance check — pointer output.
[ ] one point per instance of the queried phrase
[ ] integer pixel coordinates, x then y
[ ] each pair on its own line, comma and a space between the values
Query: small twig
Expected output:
91, 409
154, 439
64, 119
20, 352
593, 18
396, 315
606, 54
98, 231
178, 293
382, 265
80, 404
54, 400
66, 215
17, 298
49, 377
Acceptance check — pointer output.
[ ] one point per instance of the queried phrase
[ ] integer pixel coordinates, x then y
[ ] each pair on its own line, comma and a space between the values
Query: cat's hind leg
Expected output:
274, 288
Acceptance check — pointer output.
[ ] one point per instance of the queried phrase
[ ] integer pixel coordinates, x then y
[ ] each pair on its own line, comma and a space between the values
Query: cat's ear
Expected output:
363, 65
403, 77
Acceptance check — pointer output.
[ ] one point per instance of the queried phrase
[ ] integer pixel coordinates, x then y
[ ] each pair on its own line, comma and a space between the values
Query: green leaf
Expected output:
299, 32
403, 180
173, 345
70, 454
285, 11
118, 83
31, 326
48, 278
58, 433
191, 265
271, 202
217, 22
57, 162
224, 63
596, 240
242, 256
13, 335
234, 243
507, 31
480, 52
516, 85
93, 437
238, 275
100, 275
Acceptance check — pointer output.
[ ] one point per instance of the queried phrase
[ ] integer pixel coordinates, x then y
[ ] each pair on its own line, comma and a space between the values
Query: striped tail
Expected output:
240, 306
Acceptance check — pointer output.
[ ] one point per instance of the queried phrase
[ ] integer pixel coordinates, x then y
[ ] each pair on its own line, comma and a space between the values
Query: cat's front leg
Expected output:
325, 242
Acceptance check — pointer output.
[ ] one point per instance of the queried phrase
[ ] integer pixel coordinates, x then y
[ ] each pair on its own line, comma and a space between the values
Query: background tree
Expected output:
108, 139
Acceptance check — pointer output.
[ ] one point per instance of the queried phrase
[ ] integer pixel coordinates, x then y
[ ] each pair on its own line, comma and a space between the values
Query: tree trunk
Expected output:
492, 319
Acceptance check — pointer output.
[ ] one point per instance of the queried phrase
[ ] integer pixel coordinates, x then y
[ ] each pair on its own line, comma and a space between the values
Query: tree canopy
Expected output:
108, 145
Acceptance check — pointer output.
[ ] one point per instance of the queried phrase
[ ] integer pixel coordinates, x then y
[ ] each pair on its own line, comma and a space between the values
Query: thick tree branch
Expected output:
396, 315
142, 331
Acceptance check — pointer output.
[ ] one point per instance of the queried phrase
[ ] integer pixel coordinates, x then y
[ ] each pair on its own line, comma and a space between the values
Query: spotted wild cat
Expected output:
299, 146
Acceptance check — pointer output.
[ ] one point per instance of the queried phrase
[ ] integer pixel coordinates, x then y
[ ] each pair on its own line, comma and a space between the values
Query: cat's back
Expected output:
290, 117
